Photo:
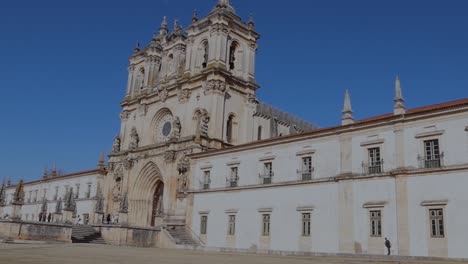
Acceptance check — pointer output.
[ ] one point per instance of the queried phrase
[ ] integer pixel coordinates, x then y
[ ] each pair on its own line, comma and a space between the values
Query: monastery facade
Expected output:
198, 153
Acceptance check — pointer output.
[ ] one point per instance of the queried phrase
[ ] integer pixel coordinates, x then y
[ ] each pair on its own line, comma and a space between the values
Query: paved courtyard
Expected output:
71, 254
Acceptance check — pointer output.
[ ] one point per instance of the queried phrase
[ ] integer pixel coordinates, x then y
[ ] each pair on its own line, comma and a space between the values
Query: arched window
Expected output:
259, 133
229, 127
205, 52
232, 55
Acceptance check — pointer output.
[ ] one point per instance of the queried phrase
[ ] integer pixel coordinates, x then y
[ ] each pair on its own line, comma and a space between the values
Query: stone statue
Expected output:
70, 200
134, 139
176, 128
183, 168
44, 206
124, 203
58, 206
2, 195
116, 190
205, 119
18, 197
116, 144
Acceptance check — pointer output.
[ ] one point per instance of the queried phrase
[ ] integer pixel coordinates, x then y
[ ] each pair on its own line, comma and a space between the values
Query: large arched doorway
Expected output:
157, 203
146, 202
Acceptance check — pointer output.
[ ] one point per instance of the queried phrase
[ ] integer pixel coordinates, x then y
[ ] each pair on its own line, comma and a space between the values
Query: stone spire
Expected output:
9, 181
163, 30
46, 172
195, 16
347, 117
225, 5
399, 108
137, 47
251, 22
101, 161
53, 173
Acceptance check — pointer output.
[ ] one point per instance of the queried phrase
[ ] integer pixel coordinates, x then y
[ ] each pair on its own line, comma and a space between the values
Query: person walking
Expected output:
388, 245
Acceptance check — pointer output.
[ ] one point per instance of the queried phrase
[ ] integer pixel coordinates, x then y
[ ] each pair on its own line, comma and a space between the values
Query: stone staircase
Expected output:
86, 235
181, 236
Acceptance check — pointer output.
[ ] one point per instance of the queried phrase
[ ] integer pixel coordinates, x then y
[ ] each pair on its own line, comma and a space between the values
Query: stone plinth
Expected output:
67, 217
35, 231
98, 217
16, 213
123, 218
57, 218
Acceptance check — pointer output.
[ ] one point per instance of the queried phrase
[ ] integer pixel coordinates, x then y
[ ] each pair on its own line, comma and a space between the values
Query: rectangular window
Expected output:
44, 192
375, 161
266, 225
234, 177
436, 217
203, 224
267, 172
306, 224
232, 225
376, 223
35, 196
306, 171
206, 180
432, 158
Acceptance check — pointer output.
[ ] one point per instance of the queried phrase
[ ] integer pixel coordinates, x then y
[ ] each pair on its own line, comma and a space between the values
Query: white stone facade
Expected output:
403, 186
49, 190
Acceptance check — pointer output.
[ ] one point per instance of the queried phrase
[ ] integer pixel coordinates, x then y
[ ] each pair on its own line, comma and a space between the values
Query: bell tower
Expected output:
189, 89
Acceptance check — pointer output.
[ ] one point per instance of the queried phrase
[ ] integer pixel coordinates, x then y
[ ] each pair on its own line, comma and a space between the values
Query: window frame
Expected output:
436, 222
232, 224
306, 220
375, 222
204, 224
266, 224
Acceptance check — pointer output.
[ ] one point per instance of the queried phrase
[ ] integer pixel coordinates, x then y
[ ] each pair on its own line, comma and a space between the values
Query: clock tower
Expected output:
189, 90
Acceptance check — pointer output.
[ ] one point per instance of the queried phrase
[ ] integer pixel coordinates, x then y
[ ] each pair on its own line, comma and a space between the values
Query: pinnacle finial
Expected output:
137, 47
54, 170
101, 160
251, 22
176, 23
225, 4
46, 172
195, 16
164, 22
163, 30
347, 117
399, 107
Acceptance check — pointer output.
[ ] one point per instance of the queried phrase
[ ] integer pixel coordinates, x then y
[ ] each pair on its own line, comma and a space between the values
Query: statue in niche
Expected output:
205, 119
116, 144
176, 128
183, 168
117, 189
124, 203
134, 139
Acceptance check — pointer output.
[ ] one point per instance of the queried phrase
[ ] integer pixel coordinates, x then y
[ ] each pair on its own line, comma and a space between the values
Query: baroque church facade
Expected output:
189, 90
198, 152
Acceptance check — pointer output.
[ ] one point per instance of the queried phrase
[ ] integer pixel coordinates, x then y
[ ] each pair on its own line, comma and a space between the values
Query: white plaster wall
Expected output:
285, 219
368, 191
451, 187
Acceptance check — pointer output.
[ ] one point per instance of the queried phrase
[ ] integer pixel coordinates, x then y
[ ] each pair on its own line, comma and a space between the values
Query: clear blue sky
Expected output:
63, 65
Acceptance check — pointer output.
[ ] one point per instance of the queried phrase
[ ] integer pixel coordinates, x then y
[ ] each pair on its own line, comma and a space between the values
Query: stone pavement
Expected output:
101, 254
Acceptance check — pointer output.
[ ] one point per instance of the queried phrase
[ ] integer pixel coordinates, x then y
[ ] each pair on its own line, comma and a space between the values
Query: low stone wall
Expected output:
129, 236
35, 231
